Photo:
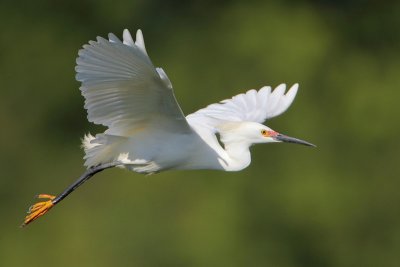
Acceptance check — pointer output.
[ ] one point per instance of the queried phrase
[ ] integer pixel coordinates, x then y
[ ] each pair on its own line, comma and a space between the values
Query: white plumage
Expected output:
254, 106
135, 100
146, 129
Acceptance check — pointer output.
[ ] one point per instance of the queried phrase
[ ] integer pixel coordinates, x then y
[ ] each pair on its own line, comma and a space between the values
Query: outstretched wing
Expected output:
255, 106
123, 90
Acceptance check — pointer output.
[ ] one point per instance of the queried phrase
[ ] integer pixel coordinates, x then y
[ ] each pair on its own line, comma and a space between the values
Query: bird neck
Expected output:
236, 147
238, 154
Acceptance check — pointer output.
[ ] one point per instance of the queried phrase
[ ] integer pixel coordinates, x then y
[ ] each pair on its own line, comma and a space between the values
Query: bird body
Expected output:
146, 129
198, 149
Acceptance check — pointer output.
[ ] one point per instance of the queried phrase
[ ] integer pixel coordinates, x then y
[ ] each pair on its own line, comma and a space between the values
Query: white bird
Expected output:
147, 131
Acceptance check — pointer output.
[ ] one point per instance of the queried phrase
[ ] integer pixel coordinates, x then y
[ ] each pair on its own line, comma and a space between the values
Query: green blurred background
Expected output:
336, 205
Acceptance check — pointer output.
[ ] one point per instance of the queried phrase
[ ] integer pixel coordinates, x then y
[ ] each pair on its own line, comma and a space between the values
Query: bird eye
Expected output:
264, 133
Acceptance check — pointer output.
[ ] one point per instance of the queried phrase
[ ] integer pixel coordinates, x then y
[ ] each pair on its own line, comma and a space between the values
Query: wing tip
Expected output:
292, 90
139, 42
294, 87
127, 38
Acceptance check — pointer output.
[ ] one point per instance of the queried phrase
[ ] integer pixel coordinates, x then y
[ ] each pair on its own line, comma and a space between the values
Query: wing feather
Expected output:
122, 88
254, 106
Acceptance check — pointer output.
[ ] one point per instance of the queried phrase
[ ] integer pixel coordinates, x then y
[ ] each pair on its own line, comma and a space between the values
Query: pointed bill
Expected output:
288, 139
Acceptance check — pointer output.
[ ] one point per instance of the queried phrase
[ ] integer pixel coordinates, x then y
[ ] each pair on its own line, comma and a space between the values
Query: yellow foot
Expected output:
39, 209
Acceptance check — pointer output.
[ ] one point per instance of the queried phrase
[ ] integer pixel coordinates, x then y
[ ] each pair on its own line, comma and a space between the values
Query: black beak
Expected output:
288, 139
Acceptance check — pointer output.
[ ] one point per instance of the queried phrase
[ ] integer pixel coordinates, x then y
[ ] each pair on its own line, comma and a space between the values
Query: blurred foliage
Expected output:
336, 205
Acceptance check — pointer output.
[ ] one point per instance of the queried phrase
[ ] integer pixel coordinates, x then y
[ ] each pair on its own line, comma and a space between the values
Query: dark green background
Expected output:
336, 205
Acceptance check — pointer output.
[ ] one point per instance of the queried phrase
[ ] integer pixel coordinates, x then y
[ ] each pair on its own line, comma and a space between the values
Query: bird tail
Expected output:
100, 148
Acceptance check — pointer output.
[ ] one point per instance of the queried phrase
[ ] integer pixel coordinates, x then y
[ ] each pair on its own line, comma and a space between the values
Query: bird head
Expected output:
267, 135
255, 133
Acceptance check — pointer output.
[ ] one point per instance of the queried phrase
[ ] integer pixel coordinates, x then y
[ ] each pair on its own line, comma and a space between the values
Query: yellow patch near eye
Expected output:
264, 133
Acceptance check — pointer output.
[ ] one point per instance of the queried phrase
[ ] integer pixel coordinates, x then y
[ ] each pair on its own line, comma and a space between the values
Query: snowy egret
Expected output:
146, 129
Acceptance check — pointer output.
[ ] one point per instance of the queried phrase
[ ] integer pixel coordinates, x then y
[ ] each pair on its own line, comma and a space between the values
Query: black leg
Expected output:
40, 208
